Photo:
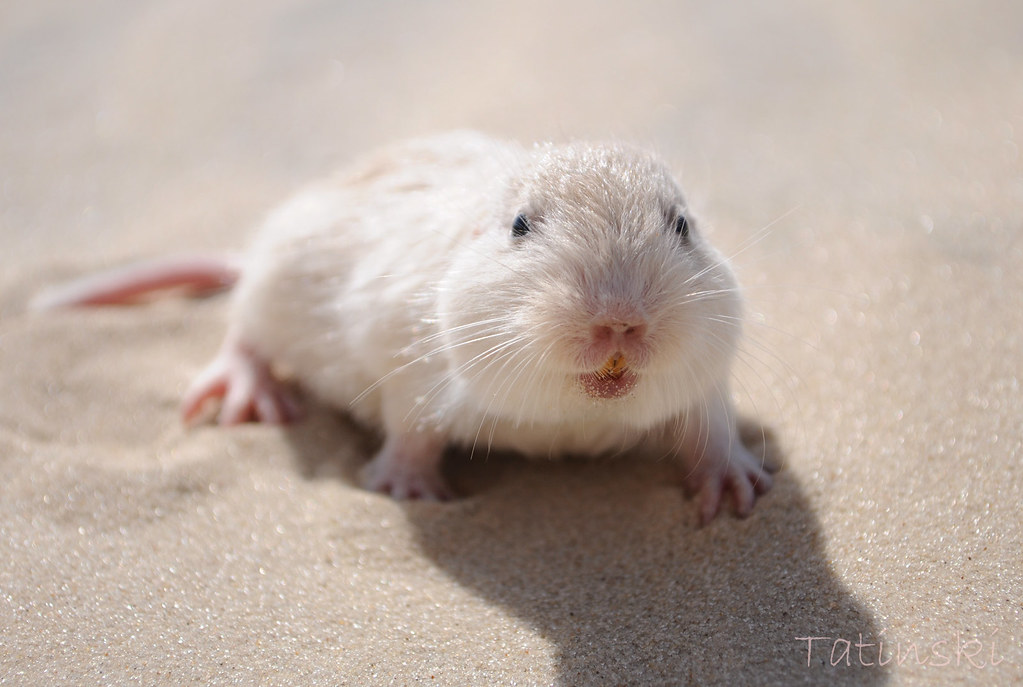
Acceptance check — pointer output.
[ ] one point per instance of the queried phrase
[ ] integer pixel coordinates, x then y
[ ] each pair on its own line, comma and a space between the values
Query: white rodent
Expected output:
550, 300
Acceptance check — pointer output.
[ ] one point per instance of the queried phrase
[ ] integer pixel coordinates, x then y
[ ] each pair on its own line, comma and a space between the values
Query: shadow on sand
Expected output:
605, 560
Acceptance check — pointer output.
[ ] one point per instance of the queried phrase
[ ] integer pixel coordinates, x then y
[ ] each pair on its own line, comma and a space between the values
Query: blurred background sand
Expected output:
877, 143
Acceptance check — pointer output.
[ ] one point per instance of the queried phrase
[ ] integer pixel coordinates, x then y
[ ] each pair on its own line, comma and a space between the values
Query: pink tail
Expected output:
195, 273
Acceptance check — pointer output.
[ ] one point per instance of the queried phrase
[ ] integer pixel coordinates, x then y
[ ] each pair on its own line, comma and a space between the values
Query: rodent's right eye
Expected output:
520, 227
682, 227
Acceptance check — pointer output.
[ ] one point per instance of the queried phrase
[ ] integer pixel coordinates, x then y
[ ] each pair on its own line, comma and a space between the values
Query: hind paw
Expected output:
245, 388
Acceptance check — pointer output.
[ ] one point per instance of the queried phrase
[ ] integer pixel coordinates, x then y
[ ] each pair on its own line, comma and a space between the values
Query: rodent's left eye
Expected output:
681, 227
520, 227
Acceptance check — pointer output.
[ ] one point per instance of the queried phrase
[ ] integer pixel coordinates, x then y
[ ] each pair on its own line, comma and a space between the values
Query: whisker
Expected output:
419, 359
748, 243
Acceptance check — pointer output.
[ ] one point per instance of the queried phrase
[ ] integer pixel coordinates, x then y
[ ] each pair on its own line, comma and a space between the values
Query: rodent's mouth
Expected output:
613, 380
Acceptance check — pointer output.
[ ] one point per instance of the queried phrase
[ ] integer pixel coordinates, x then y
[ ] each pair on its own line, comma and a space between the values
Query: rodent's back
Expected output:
339, 279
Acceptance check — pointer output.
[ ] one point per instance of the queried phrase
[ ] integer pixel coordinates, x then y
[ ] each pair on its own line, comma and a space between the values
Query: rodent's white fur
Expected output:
397, 290
395, 278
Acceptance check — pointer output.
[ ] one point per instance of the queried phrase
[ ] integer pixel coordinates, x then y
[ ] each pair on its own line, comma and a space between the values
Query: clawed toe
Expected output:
403, 491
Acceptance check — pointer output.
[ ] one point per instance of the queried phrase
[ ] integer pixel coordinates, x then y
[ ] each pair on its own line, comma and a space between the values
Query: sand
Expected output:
860, 162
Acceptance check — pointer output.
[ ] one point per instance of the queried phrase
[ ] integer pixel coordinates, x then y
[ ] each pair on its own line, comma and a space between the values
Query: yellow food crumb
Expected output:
614, 367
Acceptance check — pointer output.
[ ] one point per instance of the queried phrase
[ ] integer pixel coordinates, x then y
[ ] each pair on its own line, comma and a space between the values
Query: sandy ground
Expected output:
878, 141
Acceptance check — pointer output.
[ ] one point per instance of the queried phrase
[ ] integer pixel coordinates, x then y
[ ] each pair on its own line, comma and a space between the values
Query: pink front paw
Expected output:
245, 386
742, 474
408, 466
405, 485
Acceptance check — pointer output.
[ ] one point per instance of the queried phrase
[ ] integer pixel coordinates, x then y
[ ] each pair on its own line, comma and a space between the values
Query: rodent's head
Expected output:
592, 284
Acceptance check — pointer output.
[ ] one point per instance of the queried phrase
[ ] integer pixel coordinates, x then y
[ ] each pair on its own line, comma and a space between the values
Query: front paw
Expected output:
404, 484
740, 473
408, 466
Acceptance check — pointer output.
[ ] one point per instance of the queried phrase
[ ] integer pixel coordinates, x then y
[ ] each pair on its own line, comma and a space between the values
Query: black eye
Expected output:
521, 226
682, 227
